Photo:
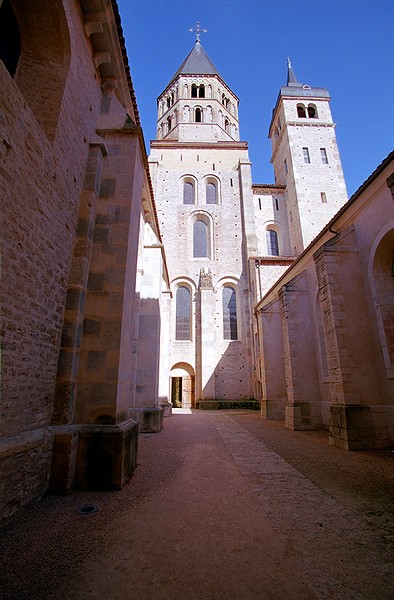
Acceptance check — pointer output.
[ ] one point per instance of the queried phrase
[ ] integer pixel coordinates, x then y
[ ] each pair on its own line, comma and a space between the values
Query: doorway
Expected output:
182, 386
176, 392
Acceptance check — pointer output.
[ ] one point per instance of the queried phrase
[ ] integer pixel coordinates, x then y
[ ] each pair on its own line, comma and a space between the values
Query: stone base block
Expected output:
151, 419
64, 456
106, 455
273, 410
301, 416
167, 408
357, 427
208, 404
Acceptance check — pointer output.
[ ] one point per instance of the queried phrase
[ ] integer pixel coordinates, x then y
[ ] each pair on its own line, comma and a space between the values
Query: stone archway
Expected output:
182, 386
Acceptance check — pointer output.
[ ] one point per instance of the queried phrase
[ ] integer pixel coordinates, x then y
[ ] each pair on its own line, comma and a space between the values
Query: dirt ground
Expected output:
222, 506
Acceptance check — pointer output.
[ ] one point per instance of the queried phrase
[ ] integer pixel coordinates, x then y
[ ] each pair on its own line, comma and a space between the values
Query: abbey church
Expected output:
133, 283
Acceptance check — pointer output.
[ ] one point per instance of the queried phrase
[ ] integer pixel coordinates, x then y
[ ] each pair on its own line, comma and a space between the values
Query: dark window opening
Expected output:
10, 38
182, 317
198, 115
301, 111
194, 91
272, 243
201, 91
229, 314
188, 193
200, 239
312, 112
211, 193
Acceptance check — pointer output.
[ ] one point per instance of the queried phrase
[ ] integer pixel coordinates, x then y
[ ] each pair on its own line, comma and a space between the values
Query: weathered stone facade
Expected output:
75, 189
336, 304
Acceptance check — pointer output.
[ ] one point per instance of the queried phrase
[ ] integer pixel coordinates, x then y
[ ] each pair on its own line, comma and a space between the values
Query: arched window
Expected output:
10, 38
198, 115
194, 91
301, 110
201, 91
182, 316
272, 242
227, 125
312, 112
188, 192
169, 124
200, 239
211, 193
230, 328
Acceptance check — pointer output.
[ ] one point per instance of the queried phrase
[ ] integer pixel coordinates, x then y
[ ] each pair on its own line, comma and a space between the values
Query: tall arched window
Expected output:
211, 193
200, 239
198, 115
10, 38
230, 328
188, 192
182, 316
301, 110
194, 91
201, 91
272, 243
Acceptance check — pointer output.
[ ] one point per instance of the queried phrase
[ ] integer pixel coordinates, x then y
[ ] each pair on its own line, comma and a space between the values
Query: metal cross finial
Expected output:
198, 30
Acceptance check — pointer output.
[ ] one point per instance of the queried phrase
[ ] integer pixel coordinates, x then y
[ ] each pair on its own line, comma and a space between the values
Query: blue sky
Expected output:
345, 46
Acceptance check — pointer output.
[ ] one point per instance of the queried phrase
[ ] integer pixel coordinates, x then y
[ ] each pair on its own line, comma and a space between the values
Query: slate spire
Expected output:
197, 62
291, 76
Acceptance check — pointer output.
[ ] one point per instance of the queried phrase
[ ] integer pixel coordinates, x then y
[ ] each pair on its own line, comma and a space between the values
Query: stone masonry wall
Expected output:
41, 176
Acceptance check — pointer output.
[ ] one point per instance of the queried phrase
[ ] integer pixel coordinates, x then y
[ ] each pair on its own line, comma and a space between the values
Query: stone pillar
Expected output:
66, 437
149, 328
272, 363
150, 415
303, 410
354, 382
164, 366
206, 331
95, 364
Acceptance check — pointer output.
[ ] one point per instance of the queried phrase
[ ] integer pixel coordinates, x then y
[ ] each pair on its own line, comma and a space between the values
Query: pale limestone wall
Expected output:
270, 212
226, 261
346, 321
307, 212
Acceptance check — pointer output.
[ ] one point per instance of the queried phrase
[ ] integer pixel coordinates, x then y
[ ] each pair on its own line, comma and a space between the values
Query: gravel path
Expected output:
223, 505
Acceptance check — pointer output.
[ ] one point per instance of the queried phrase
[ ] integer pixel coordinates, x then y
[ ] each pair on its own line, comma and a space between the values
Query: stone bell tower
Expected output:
202, 183
305, 158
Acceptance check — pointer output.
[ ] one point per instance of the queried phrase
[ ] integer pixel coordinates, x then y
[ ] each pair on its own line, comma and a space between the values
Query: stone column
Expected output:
206, 340
147, 376
303, 410
106, 438
351, 367
272, 363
